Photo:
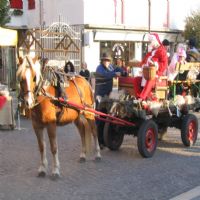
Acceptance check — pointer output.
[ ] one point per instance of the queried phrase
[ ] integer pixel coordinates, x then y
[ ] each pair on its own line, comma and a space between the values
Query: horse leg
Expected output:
42, 171
93, 128
81, 128
51, 130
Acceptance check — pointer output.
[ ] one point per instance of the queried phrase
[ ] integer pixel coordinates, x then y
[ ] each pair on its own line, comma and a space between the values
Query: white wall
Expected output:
136, 13
33, 16
91, 53
68, 10
99, 12
71, 11
158, 14
103, 12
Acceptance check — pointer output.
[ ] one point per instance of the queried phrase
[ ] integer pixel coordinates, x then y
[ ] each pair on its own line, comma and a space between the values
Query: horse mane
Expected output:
31, 62
21, 69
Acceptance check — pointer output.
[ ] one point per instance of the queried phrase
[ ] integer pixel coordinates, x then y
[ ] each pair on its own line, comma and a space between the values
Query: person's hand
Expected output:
151, 62
118, 73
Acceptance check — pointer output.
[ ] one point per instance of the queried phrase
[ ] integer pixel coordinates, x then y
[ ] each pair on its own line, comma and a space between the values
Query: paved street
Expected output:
122, 175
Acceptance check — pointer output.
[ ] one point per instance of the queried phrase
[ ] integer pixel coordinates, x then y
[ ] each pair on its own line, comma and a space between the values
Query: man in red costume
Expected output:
157, 56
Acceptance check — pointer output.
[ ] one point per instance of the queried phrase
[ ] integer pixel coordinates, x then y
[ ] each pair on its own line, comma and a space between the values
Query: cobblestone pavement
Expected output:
121, 175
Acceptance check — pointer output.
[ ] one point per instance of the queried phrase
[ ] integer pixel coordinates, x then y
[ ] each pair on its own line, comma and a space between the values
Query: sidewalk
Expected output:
193, 194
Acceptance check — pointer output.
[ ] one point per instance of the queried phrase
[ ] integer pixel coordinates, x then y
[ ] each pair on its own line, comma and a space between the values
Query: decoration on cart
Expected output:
149, 72
151, 118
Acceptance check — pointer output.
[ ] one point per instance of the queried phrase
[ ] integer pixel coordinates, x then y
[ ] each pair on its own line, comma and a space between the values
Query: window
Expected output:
31, 4
16, 4
123, 49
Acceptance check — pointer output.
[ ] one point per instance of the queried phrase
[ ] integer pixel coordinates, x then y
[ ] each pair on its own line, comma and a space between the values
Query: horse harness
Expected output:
60, 82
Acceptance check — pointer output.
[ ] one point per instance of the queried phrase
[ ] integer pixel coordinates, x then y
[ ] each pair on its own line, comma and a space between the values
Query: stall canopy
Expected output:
8, 37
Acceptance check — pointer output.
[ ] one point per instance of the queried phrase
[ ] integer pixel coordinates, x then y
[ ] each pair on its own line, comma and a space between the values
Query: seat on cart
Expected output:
132, 86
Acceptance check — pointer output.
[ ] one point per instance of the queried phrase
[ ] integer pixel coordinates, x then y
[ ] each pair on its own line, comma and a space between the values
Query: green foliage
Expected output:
4, 12
192, 27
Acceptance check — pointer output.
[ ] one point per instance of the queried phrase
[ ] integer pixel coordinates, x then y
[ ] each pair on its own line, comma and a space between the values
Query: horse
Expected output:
40, 94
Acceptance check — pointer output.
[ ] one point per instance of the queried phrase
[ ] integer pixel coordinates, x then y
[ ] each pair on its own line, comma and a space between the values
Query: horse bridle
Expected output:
35, 91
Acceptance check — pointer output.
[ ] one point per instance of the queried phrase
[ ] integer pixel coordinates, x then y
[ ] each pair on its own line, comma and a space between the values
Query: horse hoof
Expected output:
98, 159
55, 176
41, 174
82, 160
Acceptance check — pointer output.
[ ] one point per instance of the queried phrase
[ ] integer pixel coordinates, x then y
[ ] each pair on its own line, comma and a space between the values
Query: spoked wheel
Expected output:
147, 138
189, 130
113, 137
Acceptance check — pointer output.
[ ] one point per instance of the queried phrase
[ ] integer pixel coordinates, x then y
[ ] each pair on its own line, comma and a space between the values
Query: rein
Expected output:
35, 92
49, 78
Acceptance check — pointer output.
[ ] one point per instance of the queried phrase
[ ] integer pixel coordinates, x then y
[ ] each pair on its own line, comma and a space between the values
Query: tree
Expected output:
192, 27
4, 12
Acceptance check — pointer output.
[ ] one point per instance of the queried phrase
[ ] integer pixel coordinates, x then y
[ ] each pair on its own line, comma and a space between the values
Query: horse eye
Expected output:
34, 79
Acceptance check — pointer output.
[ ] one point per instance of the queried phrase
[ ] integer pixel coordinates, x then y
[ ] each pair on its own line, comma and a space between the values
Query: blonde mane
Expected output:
28, 62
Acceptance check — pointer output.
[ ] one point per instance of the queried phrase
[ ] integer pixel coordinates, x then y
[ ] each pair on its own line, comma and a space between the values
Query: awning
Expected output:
8, 37
131, 36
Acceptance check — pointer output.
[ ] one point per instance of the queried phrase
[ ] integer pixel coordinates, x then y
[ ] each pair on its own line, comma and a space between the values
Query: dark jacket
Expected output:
104, 79
85, 73
193, 55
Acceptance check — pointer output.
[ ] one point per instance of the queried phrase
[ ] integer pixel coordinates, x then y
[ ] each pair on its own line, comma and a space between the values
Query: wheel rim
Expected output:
191, 135
150, 139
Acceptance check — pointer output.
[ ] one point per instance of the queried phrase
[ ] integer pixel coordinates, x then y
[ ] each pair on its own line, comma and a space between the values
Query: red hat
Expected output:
154, 37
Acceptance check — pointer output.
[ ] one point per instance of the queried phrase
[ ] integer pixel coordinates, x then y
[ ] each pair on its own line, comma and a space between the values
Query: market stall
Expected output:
8, 42
8, 37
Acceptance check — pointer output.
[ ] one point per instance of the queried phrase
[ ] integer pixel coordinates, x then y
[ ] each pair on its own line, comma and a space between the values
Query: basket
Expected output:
149, 73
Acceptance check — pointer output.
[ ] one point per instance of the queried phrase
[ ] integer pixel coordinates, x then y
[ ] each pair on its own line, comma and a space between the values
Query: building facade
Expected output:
118, 27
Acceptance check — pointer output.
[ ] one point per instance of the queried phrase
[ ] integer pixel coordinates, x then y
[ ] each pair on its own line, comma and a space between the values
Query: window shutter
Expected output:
16, 4
31, 4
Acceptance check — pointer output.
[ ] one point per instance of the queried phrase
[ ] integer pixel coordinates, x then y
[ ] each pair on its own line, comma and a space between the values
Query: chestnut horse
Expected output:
40, 94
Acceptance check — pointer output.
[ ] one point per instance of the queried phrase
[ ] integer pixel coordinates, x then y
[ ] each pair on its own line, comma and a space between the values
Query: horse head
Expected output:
28, 75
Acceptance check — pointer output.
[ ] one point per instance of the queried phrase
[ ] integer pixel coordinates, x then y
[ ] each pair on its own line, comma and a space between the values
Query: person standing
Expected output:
175, 73
125, 68
156, 57
166, 44
179, 56
84, 71
193, 55
104, 75
118, 62
69, 67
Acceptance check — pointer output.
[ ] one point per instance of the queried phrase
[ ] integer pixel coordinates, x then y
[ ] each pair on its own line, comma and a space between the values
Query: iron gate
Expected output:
8, 66
60, 41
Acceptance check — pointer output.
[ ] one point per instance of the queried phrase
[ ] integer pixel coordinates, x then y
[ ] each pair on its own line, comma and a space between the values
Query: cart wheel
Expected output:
113, 137
162, 132
189, 129
147, 138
